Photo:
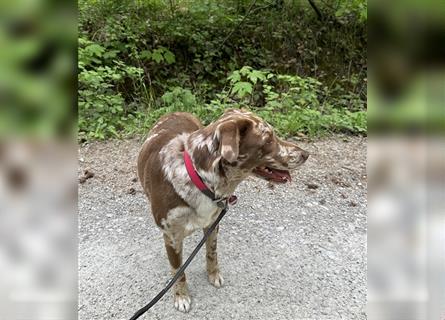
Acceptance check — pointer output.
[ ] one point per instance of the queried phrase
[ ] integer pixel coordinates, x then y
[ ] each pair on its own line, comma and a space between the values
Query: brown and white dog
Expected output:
224, 153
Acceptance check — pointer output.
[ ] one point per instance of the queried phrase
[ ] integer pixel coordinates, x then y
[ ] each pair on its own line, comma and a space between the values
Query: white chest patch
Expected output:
183, 221
202, 211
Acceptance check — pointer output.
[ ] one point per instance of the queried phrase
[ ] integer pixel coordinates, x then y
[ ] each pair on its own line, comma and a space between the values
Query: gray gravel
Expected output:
289, 252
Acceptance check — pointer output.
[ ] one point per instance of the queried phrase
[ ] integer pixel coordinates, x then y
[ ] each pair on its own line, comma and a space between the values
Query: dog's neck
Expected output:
218, 175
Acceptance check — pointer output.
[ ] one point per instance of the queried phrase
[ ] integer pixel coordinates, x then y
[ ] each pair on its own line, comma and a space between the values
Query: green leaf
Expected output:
110, 54
234, 77
116, 76
245, 70
242, 88
256, 75
145, 54
157, 56
95, 49
169, 57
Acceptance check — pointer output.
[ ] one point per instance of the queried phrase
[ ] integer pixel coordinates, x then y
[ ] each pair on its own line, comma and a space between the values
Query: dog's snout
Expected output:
305, 155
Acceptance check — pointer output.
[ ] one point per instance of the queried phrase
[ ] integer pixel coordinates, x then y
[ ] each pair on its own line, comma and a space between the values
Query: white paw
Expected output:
216, 279
182, 303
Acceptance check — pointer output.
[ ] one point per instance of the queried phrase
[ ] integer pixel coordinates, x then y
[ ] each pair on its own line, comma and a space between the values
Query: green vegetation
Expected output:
300, 67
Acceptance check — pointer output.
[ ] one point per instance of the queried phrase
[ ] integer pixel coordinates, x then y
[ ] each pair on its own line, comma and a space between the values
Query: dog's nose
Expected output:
305, 155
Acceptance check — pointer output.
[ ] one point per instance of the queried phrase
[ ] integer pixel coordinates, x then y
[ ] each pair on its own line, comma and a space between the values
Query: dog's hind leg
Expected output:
213, 272
180, 290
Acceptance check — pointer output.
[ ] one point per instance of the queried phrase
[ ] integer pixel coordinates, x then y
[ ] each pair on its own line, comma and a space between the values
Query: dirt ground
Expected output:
296, 251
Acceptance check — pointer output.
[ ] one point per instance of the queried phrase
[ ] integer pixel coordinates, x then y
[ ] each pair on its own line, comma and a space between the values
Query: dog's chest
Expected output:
202, 217
182, 221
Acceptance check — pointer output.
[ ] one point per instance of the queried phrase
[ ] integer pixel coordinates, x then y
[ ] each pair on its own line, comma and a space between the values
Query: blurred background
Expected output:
38, 193
406, 160
406, 156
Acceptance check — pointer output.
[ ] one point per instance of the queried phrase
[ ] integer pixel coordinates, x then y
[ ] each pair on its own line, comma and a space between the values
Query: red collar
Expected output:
197, 181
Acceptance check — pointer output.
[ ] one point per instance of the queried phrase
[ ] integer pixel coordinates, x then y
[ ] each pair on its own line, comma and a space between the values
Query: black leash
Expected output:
181, 270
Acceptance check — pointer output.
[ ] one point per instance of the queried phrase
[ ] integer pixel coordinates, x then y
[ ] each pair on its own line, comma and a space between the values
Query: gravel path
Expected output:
289, 252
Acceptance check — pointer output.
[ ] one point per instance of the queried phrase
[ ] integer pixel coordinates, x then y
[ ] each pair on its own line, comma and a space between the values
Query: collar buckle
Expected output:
197, 181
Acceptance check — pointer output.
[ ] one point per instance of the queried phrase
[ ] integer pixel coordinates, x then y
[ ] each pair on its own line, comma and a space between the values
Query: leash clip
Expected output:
221, 203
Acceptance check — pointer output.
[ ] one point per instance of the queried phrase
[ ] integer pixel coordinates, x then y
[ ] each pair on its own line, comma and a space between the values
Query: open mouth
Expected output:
273, 175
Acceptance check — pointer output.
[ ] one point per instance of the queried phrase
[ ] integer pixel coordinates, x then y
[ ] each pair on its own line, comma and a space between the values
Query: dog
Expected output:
237, 145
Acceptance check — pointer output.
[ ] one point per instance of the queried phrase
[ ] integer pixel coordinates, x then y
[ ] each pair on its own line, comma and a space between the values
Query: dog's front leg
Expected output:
180, 290
213, 272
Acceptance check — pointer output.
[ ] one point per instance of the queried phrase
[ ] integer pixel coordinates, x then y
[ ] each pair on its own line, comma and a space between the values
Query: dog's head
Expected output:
249, 145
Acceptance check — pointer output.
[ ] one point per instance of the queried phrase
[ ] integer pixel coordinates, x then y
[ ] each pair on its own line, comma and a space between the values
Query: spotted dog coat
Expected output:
224, 153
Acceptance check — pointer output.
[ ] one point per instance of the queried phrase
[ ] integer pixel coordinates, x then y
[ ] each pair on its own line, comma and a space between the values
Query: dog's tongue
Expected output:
281, 175
275, 175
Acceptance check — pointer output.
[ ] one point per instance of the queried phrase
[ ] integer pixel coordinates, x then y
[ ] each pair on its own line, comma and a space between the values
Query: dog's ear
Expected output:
228, 134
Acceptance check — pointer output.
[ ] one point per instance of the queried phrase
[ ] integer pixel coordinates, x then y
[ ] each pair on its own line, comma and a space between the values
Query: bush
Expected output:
141, 59
291, 105
103, 111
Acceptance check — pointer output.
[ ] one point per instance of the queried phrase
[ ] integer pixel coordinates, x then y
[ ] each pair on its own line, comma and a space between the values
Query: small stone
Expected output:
87, 174
131, 191
352, 204
312, 185
339, 182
